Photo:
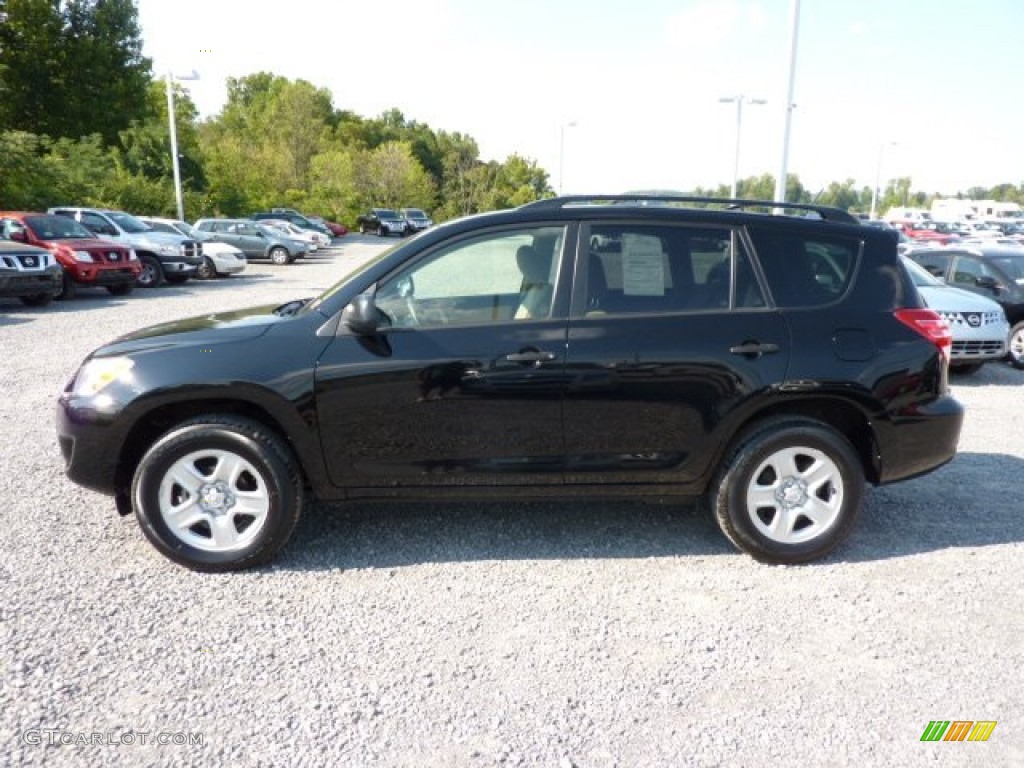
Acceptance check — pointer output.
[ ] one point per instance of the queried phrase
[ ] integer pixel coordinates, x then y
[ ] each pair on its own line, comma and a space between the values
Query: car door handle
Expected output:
754, 349
530, 356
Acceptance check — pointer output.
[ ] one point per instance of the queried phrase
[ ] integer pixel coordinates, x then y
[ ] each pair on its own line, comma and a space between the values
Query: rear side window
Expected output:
644, 269
805, 270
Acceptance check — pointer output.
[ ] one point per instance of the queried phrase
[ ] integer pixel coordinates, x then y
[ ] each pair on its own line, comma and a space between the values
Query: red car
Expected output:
86, 260
928, 231
336, 229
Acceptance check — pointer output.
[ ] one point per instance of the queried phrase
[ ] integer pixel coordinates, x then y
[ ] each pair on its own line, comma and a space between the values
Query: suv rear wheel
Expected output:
790, 493
218, 493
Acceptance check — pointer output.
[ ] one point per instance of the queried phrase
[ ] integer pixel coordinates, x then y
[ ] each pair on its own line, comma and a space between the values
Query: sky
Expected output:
610, 96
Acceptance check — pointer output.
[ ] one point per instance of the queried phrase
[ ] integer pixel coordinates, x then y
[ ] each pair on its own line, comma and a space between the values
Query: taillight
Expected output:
929, 324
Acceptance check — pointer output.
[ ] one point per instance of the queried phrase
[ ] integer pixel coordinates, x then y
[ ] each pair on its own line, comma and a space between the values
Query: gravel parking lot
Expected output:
586, 634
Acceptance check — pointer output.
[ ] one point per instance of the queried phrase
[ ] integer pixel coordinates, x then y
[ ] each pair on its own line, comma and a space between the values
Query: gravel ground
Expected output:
597, 634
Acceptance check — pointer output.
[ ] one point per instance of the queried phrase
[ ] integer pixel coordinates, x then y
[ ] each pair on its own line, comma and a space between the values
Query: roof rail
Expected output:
826, 212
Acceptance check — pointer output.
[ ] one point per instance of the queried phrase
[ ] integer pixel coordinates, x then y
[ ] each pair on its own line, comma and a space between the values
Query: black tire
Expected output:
152, 274
1015, 347
37, 300
68, 288
207, 271
362, 229
120, 290
176, 278
279, 255
802, 445
203, 445
966, 369
382, 231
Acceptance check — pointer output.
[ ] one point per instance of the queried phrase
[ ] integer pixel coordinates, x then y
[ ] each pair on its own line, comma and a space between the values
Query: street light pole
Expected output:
740, 99
561, 154
878, 176
780, 182
172, 122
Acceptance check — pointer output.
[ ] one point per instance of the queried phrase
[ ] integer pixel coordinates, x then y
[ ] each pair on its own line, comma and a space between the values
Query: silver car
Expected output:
219, 259
979, 325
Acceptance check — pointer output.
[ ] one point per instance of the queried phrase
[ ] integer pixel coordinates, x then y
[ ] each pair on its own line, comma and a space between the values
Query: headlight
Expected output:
100, 372
83, 256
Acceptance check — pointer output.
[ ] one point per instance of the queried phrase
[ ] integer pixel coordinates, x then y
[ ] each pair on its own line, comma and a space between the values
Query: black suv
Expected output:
993, 271
383, 222
771, 364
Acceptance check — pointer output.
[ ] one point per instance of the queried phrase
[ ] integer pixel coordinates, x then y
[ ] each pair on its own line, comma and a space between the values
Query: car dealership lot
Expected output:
588, 634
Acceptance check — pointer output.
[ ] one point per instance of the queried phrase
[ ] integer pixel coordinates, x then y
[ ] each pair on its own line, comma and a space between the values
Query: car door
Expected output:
462, 386
670, 333
247, 238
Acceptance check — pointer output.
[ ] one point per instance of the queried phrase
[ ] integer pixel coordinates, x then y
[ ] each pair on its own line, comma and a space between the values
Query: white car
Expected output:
979, 326
315, 239
220, 259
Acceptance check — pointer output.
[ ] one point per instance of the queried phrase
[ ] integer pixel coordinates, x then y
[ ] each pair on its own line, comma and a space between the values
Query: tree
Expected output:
72, 68
390, 176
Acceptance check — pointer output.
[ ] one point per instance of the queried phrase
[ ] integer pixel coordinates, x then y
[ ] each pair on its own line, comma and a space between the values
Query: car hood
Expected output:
214, 247
85, 244
946, 297
201, 330
158, 238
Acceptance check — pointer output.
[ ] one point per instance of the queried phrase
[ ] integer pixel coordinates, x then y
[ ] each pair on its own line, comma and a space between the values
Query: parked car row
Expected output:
992, 271
53, 254
386, 221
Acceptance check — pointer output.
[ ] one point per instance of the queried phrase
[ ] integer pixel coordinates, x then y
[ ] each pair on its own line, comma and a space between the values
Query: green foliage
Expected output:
72, 65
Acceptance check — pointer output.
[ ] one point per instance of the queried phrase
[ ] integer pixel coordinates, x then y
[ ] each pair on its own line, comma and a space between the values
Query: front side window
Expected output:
504, 276
805, 270
968, 269
636, 268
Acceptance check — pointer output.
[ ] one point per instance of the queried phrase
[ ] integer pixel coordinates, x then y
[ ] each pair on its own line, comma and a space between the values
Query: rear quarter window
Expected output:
805, 270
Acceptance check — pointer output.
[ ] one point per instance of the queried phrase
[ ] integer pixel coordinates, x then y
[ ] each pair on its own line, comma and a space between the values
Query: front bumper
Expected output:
14, 284
179, 266
226, 264
89, 444
104, 277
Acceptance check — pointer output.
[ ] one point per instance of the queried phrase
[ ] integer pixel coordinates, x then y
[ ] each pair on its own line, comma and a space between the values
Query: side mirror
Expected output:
19, 236
362, 317
989, 282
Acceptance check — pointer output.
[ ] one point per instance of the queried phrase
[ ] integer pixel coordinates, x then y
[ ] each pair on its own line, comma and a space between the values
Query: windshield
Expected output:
1013, 266
416, 213
57, 228
922, 277
128, 223
386, 213
184, 227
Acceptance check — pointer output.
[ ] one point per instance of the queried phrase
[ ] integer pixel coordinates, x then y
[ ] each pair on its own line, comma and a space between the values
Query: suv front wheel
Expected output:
1015, 348
790, 493
218, 493
152, 273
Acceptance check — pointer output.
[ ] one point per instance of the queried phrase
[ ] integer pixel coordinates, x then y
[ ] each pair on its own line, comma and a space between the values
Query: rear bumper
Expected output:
919, 439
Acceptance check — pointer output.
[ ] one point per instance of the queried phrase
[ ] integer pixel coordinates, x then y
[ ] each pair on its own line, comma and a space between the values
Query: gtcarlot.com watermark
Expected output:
52, 737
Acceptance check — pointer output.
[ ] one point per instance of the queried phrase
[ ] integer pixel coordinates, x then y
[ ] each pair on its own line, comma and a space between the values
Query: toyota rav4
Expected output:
617, 346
